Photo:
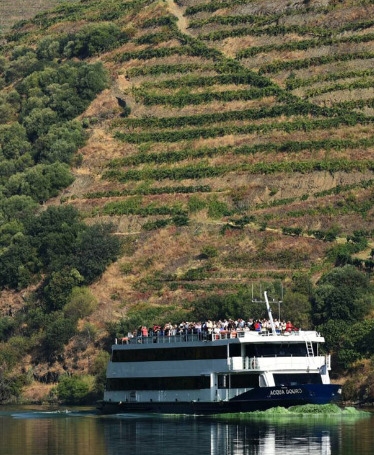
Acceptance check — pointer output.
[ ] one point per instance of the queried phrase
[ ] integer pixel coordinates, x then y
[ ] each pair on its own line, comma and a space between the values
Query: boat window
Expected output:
262, 381
238, 381
276, 350
167, 354
235, 350
297, 379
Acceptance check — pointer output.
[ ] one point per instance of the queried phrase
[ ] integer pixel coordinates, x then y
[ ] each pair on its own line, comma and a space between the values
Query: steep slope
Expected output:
244, 120
231, 149
217, 134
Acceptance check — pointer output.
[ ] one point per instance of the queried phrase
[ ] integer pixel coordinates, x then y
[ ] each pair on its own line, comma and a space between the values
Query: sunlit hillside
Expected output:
247, 128
232, 148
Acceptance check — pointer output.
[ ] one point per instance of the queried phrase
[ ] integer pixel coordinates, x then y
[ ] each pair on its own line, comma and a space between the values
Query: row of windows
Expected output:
181, 353
225, 381
297, 379
182, 382
209, 352
276, 350
166, 383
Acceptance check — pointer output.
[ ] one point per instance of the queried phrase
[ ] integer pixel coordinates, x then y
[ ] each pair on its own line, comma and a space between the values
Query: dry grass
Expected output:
37, 392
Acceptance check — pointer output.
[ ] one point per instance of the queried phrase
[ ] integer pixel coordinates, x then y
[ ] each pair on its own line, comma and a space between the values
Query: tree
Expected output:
228, 306
54, 234
36, 100
9, 232
58, 287
48, 48
93, 39
60, 143
38, 122
13, 141
302, 284
7, 112
22, 64
58, 333
333, 331
64, 99
96, 249
18, 263
18, 207
343, 294
41, 182
91, 80
296, 307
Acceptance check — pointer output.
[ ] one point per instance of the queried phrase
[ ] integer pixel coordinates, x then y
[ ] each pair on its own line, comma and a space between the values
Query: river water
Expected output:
73, 431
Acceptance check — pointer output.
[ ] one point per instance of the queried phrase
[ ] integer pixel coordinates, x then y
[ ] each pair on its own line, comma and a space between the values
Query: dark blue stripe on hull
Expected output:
307, 393
258, 399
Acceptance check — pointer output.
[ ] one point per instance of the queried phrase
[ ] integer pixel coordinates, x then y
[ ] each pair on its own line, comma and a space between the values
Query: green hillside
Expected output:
229, 144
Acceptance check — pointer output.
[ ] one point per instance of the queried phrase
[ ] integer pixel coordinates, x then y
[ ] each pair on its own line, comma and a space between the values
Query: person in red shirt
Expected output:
289, 326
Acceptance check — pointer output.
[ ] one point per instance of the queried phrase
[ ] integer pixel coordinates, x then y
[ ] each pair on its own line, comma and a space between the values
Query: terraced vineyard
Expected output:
12, 11
234, 145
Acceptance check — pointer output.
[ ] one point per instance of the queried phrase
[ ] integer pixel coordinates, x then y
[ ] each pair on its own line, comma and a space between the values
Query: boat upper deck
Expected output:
235, 337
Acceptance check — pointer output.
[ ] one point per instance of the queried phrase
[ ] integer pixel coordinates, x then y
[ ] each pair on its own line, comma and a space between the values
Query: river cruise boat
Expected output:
225, 372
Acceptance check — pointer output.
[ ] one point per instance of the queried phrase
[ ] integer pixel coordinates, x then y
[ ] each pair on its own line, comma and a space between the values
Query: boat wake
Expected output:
321, 410
53, 414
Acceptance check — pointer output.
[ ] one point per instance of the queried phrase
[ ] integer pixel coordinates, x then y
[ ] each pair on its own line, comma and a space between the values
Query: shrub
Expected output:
72, 389
195, 204
58, 288
209, 251
180, 220
6, 327
98, 369
153, 225
81, 303
94, 39
217, 209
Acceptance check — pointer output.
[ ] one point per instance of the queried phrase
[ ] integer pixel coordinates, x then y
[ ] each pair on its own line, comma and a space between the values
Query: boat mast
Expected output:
273, 329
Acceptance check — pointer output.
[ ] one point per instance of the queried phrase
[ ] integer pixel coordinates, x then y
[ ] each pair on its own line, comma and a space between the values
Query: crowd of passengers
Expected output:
227, 326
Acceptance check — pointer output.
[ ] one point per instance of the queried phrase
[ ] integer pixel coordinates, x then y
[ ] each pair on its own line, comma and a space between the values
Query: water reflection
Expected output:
309, 435
42, 432
28, 431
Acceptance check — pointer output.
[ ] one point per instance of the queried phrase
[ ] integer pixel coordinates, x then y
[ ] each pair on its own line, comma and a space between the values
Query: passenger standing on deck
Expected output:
258, 326
289, 326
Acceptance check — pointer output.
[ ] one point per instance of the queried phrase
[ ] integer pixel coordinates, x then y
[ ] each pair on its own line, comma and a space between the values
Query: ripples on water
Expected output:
312, 430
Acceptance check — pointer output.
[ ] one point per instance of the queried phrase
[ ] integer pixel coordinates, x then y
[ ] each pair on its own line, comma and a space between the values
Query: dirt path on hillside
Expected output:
178, 12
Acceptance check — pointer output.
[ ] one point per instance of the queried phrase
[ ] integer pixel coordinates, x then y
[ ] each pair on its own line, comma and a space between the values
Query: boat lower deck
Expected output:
257, 399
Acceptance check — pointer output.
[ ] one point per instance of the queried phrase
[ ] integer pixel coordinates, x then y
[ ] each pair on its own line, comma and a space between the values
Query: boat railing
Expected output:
196, 336
278, 363
179, 338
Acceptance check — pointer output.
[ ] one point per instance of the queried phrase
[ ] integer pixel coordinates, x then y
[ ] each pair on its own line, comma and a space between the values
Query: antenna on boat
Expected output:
273, 329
